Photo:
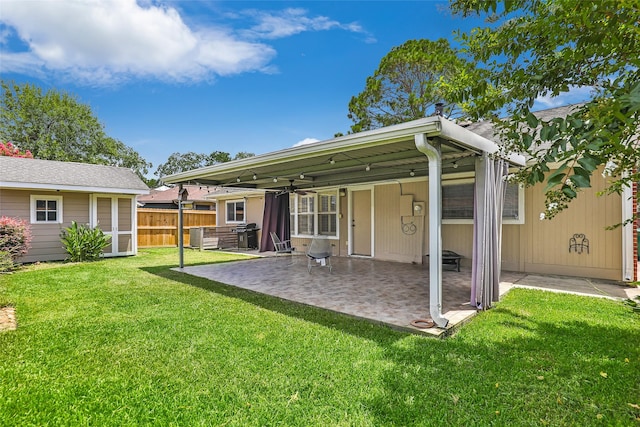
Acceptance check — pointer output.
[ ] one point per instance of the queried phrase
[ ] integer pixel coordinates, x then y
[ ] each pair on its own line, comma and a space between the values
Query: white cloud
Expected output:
573, 96
99, 41
274, 25
102, 42
306, 141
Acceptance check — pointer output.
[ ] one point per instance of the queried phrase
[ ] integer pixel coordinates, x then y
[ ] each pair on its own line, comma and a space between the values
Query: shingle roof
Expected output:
197, 193
48, 174
485, 128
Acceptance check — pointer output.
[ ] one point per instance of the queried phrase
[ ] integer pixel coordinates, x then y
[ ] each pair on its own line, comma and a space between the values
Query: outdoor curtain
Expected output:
490, 190
276, 219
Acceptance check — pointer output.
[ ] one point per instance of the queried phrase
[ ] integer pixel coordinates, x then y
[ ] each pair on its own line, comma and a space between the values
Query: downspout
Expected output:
628, 230
435, 227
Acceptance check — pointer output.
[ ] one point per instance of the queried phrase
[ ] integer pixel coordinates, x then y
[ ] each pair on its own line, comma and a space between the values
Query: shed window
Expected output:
46, 209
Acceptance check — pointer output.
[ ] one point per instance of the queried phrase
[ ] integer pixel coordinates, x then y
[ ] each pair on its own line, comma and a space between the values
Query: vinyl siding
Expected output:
45, 244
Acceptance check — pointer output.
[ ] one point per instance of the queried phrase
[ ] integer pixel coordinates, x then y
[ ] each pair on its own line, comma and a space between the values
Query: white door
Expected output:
361, 223
116, 216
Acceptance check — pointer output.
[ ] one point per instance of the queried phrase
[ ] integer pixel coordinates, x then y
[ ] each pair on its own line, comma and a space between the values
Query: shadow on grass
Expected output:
505, 369
367, 329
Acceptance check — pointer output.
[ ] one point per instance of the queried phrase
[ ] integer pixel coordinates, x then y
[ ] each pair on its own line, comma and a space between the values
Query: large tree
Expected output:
181, 162
541, 48
410, 80
56, 126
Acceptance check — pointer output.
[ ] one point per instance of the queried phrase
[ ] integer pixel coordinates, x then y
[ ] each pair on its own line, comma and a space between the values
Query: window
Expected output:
327, 214
235, 211
313, 214
457, 203
46, 209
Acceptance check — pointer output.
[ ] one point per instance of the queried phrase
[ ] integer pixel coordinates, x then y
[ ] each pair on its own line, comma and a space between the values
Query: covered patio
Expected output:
417, 151
380, 291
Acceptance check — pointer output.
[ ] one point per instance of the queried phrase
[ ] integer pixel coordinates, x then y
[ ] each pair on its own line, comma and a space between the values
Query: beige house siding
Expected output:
544, 245
394, 224
46, 245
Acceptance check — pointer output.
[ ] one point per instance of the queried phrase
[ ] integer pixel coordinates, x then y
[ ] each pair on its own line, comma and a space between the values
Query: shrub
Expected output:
15, 237
6, 263
84, 243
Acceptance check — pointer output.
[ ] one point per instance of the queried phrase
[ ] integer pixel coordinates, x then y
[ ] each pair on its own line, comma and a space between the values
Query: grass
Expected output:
130, 342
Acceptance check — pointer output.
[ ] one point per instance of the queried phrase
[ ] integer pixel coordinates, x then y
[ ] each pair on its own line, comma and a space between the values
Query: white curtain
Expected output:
490, 190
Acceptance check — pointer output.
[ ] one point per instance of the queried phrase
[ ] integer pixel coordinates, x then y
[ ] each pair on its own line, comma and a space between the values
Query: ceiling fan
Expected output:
293, 189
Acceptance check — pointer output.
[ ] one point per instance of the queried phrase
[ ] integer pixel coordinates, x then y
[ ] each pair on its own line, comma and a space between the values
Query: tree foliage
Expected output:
536, 48
56, 126
410, 80
181, 162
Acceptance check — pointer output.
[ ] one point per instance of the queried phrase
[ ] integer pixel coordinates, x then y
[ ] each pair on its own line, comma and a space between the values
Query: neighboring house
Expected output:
51, 194
167, 198
372, 195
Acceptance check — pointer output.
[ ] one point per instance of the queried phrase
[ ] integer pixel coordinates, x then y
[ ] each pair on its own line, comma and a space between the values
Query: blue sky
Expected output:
167, 76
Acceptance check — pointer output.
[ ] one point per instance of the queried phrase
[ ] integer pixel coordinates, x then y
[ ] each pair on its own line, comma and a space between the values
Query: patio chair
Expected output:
281, 246
319, 253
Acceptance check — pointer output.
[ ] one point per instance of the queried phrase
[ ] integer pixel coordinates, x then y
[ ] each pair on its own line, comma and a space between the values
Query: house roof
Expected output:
486, 128
196, 193
389, 152
68, 176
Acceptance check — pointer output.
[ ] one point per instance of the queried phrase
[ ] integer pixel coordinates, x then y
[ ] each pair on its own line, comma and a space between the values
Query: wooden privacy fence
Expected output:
159, 227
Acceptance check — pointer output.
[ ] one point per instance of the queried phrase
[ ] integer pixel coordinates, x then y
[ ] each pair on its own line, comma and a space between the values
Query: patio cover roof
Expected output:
390, 152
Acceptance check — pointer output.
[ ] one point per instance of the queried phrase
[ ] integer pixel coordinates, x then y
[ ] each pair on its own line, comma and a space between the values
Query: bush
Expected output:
15, 237
84, 243
6, 263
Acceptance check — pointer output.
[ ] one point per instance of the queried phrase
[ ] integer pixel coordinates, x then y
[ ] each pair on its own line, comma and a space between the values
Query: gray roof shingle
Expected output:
25, 173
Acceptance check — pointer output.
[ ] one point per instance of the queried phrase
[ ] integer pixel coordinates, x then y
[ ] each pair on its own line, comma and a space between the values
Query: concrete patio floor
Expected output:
386, 292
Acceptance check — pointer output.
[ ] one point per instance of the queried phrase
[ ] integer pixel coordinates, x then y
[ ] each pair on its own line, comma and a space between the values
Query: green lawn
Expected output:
129, 342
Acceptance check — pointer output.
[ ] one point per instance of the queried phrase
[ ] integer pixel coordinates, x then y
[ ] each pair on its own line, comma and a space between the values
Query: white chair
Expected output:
319, 253
281, 246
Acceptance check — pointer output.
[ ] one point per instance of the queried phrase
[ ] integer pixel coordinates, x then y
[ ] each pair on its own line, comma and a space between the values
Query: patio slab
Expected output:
387, 292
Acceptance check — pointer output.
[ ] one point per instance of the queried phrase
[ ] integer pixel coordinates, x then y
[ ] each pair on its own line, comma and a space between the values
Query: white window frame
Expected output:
226, 211
34, 198
294, 208
518, 220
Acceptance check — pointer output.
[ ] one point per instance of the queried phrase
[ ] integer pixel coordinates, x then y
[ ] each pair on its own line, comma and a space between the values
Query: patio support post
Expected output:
432, 151
180, 227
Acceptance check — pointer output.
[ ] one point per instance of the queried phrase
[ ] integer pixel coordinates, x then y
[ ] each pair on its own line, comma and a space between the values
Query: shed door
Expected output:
115, 215
361, 222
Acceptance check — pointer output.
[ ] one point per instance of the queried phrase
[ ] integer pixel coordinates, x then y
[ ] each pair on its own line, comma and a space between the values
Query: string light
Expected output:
238, 179
368, 168
302, 175
275, 179
412, 173
255, 177
333, 162
455, 165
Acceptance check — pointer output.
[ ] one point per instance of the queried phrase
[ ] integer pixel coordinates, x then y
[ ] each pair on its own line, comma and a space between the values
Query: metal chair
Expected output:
281, 246
319, 253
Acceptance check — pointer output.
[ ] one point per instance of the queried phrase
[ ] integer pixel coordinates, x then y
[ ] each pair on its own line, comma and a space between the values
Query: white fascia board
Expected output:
429, 126
473, 141
50, 187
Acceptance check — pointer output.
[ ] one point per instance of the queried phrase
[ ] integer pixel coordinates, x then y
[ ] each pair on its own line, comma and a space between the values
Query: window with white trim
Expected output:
314, 214
46, 209
327, 214
235, 211
457, 203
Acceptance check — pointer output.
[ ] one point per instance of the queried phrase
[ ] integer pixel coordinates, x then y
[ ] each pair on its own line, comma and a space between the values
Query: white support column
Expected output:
432, 151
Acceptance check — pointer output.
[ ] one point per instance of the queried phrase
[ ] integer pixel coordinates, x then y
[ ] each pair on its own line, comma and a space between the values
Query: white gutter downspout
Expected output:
627, 235
435, 227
